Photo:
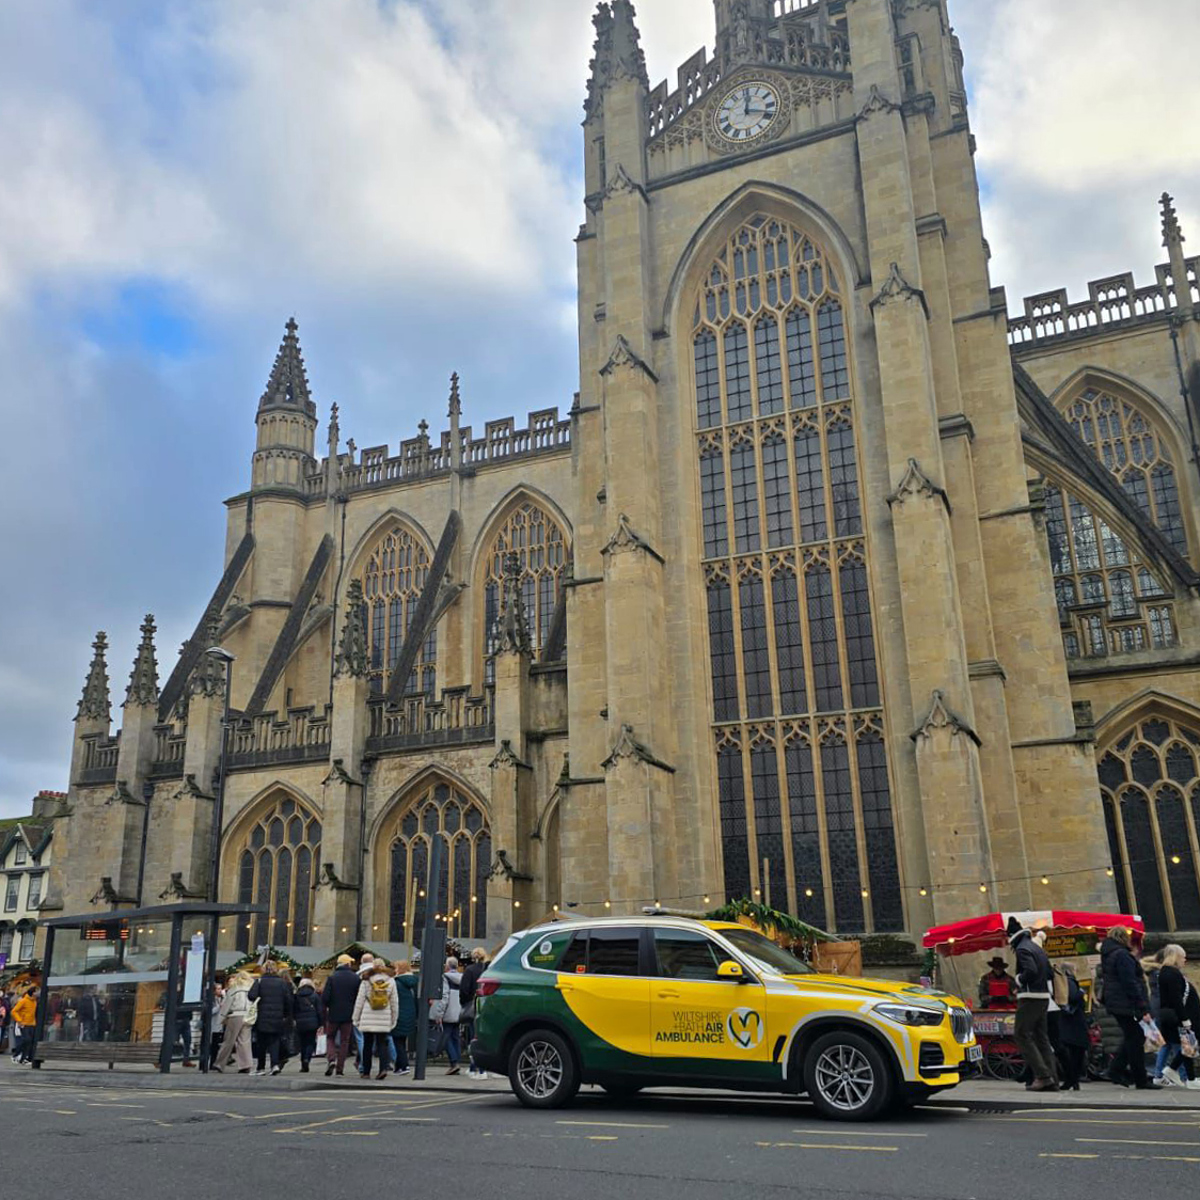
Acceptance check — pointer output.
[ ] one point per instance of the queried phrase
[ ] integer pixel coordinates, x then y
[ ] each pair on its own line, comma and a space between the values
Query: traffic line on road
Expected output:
828, 1146
1156, 1158
614, 1124
865, 1133
1153, 1124
110, 1104
1133, 1142
1047, 1155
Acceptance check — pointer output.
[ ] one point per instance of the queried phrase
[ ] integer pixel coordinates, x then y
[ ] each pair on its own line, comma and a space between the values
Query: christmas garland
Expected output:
770, 921
249, 961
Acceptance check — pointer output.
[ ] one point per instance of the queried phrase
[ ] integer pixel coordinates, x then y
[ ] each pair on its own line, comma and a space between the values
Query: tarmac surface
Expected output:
113, 1135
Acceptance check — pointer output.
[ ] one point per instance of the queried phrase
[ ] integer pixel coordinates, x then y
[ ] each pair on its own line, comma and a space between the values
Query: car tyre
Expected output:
847, 1077
541, 1069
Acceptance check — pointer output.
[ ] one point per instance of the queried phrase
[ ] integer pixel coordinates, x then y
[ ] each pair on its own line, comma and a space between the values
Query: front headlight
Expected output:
910, 1014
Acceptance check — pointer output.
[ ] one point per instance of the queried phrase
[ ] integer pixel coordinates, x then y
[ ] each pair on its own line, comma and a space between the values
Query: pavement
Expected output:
111, 1139
982, 1096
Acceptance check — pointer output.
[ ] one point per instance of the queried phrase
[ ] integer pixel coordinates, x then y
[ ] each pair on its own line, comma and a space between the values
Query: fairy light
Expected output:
1045, 880
706, 901
808, 892
516, 904
1176, 859
865, 893
983, 887
924, 891
1109, 872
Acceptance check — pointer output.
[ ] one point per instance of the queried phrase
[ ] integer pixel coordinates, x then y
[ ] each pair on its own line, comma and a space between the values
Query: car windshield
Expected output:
765, 953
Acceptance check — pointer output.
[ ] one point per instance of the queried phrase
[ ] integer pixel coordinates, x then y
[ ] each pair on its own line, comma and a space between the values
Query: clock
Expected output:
746, 112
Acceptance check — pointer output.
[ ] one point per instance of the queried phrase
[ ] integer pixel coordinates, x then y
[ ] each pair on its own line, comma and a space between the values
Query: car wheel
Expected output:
541, 1070
847, 1078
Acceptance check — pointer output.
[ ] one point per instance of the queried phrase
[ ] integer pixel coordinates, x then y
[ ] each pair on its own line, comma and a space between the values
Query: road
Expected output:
194, 1144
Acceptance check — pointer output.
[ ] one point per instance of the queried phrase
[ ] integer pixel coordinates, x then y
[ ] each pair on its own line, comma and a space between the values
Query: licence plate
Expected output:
974, 1053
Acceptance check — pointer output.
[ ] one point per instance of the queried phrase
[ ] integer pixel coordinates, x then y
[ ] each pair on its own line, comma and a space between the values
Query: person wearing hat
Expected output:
1032, 1031
338, 996
997, 988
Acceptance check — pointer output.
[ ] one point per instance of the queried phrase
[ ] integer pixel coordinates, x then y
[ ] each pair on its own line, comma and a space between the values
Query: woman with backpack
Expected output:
237, 1020
375, 1013
446, 1013
309, 1017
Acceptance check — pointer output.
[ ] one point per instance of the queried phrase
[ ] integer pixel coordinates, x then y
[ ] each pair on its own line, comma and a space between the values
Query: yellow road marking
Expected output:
1095, 1121
613, 1124
295, 1112
1155, 1158
336, 1132
864, 1133
1068, 1156
831, 1146
65, 1112
602, 1137
1133, 1142
111, 1104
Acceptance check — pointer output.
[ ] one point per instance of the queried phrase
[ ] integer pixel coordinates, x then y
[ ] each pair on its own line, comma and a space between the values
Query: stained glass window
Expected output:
802, 774
393, 579
1146, 774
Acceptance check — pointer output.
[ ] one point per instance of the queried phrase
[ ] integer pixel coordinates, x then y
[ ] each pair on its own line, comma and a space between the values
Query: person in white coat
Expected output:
446, 1013
375, 1013
235, 1008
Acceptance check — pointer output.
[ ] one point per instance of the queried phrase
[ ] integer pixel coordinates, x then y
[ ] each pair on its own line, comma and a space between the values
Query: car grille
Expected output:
961, 1024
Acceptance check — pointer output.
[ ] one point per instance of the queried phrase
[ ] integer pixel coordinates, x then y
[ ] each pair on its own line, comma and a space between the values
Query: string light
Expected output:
808, 892
1044, 879
607, 904
473, 899
1175, 859
1109, 872
516, 904
983, 887
706, 900
865, 893
924, 891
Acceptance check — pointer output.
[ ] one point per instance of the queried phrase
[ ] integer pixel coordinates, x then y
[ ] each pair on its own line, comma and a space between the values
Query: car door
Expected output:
602, 981
706, 1024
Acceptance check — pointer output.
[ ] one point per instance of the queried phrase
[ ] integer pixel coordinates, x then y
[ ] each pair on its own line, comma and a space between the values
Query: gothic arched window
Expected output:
1109, 602
393, 579
804, 800
439, 809
1125, 440
276, 866
1150, 784
540, 544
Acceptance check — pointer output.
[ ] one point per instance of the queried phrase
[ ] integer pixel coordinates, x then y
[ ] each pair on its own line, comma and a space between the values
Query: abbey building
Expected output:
833, 585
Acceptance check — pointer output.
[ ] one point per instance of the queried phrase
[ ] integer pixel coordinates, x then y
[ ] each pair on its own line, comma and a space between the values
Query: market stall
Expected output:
1070, 936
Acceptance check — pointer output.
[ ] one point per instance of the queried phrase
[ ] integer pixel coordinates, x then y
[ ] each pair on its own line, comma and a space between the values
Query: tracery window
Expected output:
1133, 449
440, 809
540, 545
393, 579
804, 801
1151, 788
1109, 602
276, 867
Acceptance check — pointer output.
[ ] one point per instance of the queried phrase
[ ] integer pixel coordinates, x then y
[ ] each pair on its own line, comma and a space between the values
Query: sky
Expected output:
403, 176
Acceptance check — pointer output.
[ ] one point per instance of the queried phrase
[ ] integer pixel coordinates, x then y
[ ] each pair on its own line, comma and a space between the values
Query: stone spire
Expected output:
1170, 223
335, 431
618, 52
512, 627
455, 398
1173, 241
352, 649
208, 677
143, 680
95, 705
288, 384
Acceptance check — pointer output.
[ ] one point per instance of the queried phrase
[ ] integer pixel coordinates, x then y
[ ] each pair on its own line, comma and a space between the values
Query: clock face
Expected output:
747, 112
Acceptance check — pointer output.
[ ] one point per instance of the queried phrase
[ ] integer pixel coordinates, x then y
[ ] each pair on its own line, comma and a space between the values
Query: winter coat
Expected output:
1124, 984
1172, 1009
310, 1011
406, 996
340, 994
1034, 973
275, 1004
1072, 1019
235, 1004
376, 1020
24, 1012
470, 982
448, 1007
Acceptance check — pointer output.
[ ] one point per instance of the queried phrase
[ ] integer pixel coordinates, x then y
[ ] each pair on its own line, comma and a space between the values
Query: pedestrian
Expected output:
366, 968
310, 1016
89, 1017
216, 1021
446, 1013
467, 993
338, 998
406, 1019
1031, 1031
1126, 999
1179, 1009
275, 1007
235, 1009
5, 1017
24, 1017
375, 1014
1073, 1032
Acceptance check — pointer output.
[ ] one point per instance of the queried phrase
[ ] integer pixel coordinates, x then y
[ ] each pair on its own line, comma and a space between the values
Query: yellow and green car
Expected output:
629, 1003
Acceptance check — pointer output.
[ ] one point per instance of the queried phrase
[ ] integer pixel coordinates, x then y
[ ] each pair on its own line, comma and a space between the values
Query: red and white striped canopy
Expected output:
988, 932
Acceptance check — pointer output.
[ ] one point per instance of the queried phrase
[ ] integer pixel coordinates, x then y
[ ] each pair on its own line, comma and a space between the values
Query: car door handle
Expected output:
668, 994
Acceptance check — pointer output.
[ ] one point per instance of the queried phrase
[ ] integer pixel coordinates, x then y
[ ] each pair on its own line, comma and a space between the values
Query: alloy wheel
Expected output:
540, 1069
845, 1077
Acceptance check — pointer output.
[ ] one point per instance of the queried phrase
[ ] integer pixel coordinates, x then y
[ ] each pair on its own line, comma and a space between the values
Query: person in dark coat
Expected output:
1127, 1001
1031, 1030
1073, 1032
1179, 1007
310, 1017
467, 991
341, 991
406, 1019
276, 1004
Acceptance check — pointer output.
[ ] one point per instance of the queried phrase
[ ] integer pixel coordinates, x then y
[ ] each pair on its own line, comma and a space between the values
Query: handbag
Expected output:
468, 1012
1188, 1043
251, 1017
1154, 1037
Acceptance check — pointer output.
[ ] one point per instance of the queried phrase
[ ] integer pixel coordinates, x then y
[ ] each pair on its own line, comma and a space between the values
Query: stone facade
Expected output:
782, 606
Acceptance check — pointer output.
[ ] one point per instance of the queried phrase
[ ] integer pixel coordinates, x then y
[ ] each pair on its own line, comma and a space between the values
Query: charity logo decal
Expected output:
745, 1028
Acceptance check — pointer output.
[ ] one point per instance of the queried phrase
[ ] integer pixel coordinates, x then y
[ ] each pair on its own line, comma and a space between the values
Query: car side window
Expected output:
685, 955
575, 958
613, 952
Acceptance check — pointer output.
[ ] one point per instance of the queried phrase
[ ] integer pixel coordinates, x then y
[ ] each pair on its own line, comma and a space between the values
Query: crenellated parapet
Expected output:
1114, 302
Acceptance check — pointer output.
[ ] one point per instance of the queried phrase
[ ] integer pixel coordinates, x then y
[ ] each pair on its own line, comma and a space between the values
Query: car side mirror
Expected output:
731, 971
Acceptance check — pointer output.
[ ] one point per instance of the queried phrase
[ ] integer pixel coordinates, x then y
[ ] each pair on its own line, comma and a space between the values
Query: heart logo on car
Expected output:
745, 1028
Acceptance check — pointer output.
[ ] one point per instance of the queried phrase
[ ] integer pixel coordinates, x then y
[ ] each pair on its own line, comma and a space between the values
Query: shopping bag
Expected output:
321, 1045
1188, 1043
1154, 1037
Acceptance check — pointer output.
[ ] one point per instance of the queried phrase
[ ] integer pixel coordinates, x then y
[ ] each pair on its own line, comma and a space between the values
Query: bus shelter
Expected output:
132, 985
